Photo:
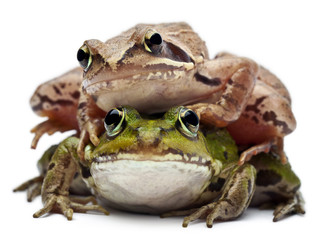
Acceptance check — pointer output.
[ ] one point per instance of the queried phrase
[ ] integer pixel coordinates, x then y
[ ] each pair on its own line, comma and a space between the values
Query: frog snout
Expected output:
149, 138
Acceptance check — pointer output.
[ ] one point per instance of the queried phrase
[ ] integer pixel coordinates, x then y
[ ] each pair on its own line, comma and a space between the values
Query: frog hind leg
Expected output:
55, 188
58, 100
235, 198
277, 185
33, 186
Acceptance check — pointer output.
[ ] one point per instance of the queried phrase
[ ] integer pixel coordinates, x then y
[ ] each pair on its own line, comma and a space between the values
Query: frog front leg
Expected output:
55, 189
90, 119
58, 100
235, 198
235, 78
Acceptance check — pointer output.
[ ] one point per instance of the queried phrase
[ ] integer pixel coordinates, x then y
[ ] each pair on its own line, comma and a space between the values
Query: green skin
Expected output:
225, 195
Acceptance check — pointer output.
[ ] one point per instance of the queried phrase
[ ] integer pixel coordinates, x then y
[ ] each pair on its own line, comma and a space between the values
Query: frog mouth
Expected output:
169, 156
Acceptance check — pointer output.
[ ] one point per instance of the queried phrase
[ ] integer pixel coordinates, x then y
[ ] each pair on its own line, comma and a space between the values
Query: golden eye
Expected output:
152, 41
84, 57
188, 122
114, 121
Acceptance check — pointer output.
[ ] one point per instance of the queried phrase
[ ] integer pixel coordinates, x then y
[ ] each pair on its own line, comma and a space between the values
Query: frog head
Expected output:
165, 160
146, 62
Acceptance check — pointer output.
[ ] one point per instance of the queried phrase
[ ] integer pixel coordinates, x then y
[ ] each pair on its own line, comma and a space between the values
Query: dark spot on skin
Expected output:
225, 154
128, 54
271, 116
208, 81
174, 151
230, 82
156, 142
95, 98
62, 85
57, 90
267, 177
226, 212
66, 163
275, 197
75, 94
229, 98
82, 105
255, 119
44, 99
246, 115
217, 186
51, 165
254, 107
85, 171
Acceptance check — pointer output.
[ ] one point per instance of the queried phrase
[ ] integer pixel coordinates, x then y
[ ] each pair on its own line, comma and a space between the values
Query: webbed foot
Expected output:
211, 212
292, 206
67, 205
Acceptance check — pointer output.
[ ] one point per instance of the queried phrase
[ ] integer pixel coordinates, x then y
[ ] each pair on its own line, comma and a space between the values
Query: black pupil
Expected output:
190, 118
156, 39
113, 117
83, 57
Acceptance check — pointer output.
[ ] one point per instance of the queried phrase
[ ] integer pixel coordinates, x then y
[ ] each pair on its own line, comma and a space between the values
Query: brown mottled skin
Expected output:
225, 91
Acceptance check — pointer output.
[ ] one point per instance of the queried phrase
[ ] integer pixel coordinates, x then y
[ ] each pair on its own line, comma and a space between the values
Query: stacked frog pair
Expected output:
165, 164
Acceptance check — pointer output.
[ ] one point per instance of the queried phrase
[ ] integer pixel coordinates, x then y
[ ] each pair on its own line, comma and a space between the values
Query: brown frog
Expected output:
155, 67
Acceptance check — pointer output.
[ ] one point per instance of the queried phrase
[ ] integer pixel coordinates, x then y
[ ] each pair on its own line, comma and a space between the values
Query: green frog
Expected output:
165, 165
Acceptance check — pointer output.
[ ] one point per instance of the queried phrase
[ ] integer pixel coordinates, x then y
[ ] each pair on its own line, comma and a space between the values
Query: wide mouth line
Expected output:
143, 72
130, 77
153, 158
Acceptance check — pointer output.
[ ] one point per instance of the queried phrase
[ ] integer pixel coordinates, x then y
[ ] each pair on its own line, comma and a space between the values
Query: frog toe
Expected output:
207, 212
32, 186
66, 206
294, 205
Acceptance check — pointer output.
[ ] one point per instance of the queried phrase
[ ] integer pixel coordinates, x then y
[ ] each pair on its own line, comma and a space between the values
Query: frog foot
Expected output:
50, 127
90, 131
67, 205
292, 206
33, 187
211, 212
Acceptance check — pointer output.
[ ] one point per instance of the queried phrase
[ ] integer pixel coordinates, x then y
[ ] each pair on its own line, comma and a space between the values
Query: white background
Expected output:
39, 40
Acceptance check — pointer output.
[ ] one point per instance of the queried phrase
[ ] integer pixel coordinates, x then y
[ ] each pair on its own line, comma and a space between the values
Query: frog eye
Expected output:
114, 120
84, 57
188, 122
152, 41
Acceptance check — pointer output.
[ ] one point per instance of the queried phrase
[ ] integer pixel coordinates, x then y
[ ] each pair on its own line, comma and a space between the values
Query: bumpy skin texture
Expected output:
129, 70
225, 191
